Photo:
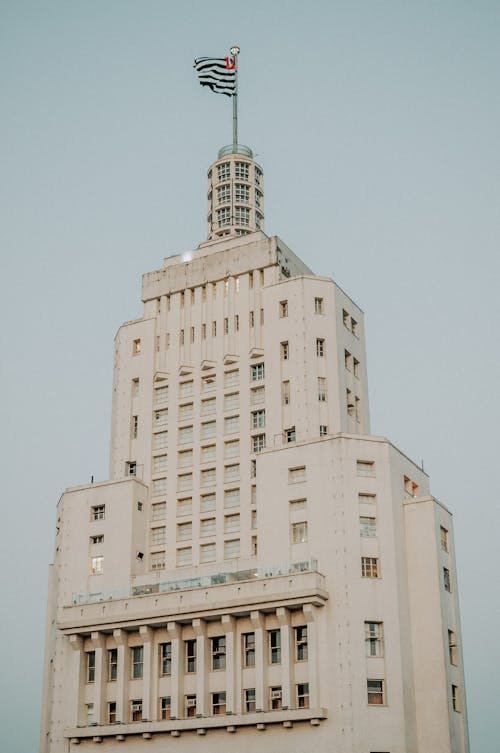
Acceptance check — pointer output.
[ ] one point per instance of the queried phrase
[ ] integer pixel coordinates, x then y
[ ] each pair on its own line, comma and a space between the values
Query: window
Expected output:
367, 526
298, 533
190, 650
226, 325
97, 565
208, 406
203, 331
231, 425
257, 395
285, 392
231, 472
224, 217
297, 504
354, 327
159, 463
223, 171
455, 698
301, 651
275, 646
137, 656
258, 442
112, 664
184, 531
160, 440
208, 383
89, 713
345, 318
165, 707
257, 372
158, 535
131, 468
254, 545
375, 692
136, 710
231, 549
446, 579
355, 367
232, 523
242, 216
208, 430
251, 319
136, 347
374, 638
224, 194
290, 435
303, 695
323, 430
444, 539
248, 649
231, 498
231, 378
258, 419
253, 469
185, 435
322, 389
253, 519
283, 309
249, 700
365, 498
190, 708
186, 389
275, 697
218, 650
207, 477
207, 553
242, 193
258, 176
232, 449
97, 512
165, 658
158, 511
365, 468
90, 669
185, 411
158, 487
231, 401
160, 394
241, 170
208, 453
157, 560
207, 527
181, 337
184, 458
184, 556
452, 647
112, 712
410, 487
218, 703
134, 427
320, 347
284, 349
296, 474
318, 306
369, 567
97, 539
207, 502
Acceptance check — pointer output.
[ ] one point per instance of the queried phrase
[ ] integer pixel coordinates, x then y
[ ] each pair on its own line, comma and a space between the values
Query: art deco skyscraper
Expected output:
259, 572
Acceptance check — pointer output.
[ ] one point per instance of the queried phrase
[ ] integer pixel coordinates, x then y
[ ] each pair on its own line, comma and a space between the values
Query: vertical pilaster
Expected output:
199, 627
259, 625
229, 624
177, 678
76, 682
147, 641
287, 694
123, 674
98, 642
310, 614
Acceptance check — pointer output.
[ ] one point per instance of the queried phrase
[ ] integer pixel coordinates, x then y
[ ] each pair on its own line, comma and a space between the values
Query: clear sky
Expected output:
377, 124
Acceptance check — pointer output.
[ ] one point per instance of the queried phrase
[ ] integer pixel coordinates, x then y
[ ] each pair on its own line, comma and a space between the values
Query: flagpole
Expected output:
234, 52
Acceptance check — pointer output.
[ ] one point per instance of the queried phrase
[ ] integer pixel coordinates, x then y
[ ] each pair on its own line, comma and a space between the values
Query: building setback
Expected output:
260, 572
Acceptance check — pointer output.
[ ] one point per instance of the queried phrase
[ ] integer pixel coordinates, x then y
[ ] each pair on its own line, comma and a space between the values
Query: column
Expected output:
176, 682
259, 626
310, 615
76, 683
229, 624
123, 675
287, 658
199, 627
147, 642
98, 641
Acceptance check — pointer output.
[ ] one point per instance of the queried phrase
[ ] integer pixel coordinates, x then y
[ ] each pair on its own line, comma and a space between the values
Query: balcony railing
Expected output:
202, 581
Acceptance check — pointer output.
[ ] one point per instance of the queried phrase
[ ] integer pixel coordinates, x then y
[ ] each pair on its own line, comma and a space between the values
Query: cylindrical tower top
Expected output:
235, 193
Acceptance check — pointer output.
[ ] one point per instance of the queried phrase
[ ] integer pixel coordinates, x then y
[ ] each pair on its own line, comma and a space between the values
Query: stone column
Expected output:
147, 691
75, 685
229, 625
177, 679
287, 658
123, 675
199, 627
98, 641
259, 625
310, 615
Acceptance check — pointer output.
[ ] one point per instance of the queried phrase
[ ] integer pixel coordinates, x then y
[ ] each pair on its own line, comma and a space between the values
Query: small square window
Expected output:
97, 512
369, 567
258, 442
295, 475
365, 468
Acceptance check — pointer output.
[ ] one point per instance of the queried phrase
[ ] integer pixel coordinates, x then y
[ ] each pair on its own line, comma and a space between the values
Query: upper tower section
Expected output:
235, 193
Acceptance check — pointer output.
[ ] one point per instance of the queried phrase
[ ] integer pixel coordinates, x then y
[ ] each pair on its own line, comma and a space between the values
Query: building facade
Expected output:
259, 571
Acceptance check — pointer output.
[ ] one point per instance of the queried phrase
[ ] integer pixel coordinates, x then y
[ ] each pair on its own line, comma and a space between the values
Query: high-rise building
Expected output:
260, 572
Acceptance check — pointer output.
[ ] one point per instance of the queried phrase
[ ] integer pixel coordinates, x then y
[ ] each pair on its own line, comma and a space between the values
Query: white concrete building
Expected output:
259, 572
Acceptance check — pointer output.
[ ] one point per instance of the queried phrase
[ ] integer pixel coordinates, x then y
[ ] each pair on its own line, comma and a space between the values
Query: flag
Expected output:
219, 74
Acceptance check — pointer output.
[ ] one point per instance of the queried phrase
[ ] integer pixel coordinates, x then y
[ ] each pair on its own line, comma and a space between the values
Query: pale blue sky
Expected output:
377, 124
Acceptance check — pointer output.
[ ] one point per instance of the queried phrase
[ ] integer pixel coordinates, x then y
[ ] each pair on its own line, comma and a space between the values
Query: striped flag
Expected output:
219, 74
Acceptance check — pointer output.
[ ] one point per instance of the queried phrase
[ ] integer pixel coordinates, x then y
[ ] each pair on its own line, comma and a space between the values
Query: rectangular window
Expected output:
283, 309
284, 349
134, 429
226, 325
203, 331
136, 347
258, 419
296, 474
208, 406
191, 334
367, 526
236, 323
285, 392
320, 347
231, 549
452, 646
97, 539
186, 389
185, 458
355, 367
374, 638
112, 712
446, 579
207, 527
232, 523
274, 646
242, 193
232, 449
190, 706
455, 698
97, 512
219, 703
112, 664
223, 171
208, 383
159, 463
231, 472
231, 401
369, 567
275, 701
218, 652
208, 430
231, 378
157, 561
301, 646
241, 170
184, 556
224, 217
165, 707
231, 498
137, 657
257, 372
248, 649
253, 495
181, 337
136, 710
89, 713
160, 394
208, 453
258, 443
224, 194
90, 669
190, 653
251, 319
375, 692
249, 700
231, 425
131, 468
207, 477
290, 435
444, 539
322, 389
185, 411
207, 502
158, 535
165, 658
159, 487
345, 318
158, 511
257, 395
323, 430
297, 504
365, 468
207, 553
97, 565
318, 306
185, 435
303, 695
184, 531
253, 519
160, 440
298, 533
365, 498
